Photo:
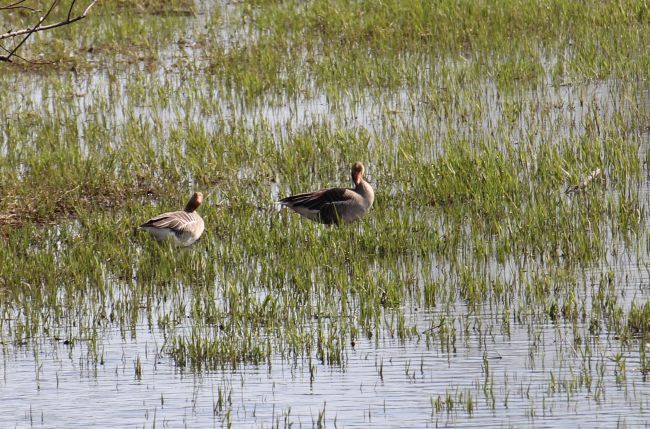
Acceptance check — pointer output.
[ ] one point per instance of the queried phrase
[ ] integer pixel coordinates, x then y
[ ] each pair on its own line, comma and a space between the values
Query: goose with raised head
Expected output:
335, 205
183, 227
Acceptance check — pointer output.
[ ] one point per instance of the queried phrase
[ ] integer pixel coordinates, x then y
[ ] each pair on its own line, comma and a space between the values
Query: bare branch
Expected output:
70, 10
25, 59
17, 5
13, 5
40, 21
38, 27
49, 26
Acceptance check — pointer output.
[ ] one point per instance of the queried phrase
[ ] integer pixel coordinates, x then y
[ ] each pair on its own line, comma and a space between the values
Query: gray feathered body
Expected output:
334, 205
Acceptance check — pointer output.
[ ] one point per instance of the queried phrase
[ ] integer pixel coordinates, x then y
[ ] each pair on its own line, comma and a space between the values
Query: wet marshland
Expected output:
500, 279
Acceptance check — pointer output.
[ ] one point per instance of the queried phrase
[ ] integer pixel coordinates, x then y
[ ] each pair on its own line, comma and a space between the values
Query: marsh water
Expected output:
419, 316
62, 388
531, 375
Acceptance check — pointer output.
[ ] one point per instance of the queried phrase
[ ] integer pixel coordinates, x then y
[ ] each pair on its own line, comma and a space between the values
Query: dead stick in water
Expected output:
584, 183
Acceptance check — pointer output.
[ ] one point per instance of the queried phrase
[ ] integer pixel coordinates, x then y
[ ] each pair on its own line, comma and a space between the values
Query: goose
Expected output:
335, 205
184, 227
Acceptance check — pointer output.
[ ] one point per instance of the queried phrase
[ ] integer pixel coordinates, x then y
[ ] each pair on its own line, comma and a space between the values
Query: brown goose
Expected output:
335, 205
184, 227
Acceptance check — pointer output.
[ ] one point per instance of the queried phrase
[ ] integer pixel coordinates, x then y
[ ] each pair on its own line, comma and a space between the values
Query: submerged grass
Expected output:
470, 143
380, 43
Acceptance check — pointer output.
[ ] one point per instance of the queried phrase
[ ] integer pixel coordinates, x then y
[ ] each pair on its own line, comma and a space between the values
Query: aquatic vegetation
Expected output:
496, 275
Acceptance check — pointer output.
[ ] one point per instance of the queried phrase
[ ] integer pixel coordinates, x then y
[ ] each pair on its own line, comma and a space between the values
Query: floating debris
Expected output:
584, 183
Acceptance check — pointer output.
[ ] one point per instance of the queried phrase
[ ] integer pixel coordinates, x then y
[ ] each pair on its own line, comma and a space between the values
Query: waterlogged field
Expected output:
501, 278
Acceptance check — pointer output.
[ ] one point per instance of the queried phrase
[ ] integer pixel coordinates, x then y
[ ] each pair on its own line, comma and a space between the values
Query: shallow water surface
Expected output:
439, 322
498, 368
389, 383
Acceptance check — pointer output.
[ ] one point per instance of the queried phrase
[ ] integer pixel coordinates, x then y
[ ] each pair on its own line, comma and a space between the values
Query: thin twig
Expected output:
25, 59
12, 5
433, 328
70, 10
17, 5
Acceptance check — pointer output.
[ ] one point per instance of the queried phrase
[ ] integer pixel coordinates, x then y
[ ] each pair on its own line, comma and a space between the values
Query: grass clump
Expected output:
638, 318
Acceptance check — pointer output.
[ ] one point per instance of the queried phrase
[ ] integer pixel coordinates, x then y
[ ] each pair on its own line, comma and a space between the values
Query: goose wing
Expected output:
324, 206
179, 222
319, 199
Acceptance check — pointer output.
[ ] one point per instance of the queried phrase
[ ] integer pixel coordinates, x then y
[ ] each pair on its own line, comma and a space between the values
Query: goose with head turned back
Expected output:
183, 227
335, 205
